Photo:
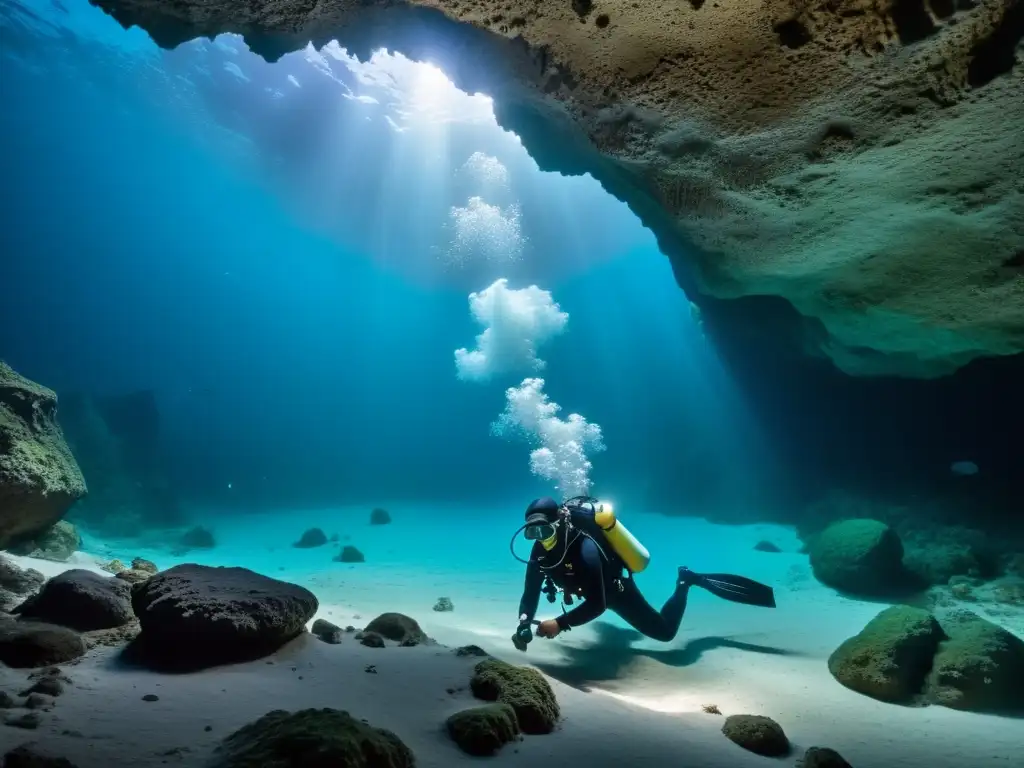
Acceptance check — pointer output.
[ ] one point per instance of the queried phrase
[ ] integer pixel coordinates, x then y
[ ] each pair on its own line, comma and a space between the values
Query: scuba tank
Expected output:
623, 543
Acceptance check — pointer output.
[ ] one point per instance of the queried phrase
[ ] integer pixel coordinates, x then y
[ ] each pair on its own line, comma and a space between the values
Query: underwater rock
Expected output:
766, 546
443, 605
28, 721
1008, 590
399, 628
141, 564
114, 566
758, 734
81, 600
823, 757
522, 688
133, 575
326, 631
313, 537
380, 517
482, 731
34, 756
17, 583
197, 615
198, 538
29, 644
936, 555
349, 554
370, 639
6, 700
39, 478
962, 588
58, 543
471, 650
859, 557
980, 667
890, 658
50, 685
311, 737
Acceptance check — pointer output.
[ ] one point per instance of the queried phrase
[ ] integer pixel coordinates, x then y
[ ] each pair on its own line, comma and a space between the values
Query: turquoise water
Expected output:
284, 254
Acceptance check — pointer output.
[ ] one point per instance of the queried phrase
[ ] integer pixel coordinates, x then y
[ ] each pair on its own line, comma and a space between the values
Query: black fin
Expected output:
738, 589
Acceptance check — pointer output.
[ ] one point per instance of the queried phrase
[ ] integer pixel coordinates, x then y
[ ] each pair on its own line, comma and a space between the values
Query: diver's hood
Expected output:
538, 518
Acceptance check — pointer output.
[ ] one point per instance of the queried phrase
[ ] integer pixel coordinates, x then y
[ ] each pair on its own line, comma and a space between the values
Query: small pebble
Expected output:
151, 697
372, 669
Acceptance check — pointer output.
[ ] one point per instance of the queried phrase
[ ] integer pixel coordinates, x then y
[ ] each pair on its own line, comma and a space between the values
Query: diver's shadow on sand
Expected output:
607, 657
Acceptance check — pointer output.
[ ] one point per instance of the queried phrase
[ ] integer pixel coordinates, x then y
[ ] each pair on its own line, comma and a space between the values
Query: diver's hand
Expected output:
548, 629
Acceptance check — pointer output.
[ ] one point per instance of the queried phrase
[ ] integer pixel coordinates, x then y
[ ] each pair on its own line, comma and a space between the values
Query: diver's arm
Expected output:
593, 587
531, 589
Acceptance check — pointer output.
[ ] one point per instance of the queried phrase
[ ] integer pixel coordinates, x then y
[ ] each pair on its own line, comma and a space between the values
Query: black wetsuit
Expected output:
585, 573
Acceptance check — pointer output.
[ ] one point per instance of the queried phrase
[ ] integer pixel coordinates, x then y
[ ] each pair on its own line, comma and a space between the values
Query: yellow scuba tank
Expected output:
633, 553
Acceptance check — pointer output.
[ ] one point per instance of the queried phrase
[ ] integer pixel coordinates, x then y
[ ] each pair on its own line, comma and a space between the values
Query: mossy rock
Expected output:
522, 688
58, 543
482, 731
397, 627
890, 658
758, 734
859, 556
30, 644
311, 737
979, 668
823, 757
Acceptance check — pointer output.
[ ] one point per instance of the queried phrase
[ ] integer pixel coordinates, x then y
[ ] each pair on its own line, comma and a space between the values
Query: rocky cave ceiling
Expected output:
862, 160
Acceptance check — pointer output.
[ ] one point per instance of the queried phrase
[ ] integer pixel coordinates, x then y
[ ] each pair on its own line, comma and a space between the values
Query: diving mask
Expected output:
540, 531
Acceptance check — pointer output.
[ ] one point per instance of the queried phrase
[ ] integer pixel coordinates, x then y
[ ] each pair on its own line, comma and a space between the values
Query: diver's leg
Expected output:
631, 605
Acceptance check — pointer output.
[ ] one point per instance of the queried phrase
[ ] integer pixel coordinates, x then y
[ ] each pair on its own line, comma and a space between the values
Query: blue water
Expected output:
268, 259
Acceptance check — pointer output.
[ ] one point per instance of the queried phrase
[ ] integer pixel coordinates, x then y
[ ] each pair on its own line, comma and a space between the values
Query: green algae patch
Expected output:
482, 731
979, 668
890, 658
311, 737
522, 688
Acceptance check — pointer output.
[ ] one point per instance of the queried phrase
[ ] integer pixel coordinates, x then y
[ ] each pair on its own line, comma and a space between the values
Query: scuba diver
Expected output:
582, 551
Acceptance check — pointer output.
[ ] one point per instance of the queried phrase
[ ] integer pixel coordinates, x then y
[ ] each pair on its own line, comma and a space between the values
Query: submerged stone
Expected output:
860, 557
890, 658
758, 734
482, 731
311, 737
81, 600
522, 688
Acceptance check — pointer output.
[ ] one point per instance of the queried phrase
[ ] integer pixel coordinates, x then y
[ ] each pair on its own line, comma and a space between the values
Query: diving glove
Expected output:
523, 636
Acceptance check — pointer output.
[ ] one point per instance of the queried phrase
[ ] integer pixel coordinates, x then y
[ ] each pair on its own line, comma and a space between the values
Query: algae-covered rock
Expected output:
27, 644
313, 537
890, 658
522, 688
823, 757
859, 556
39, 478
980, 667
58, 543
349, 554
141, 564
482, 731
311, 737
399, 628
115, 566
758, 734
133, 575
35, 756
17, 583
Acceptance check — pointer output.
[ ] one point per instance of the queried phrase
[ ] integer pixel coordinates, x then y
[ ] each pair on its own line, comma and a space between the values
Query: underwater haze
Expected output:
324, 321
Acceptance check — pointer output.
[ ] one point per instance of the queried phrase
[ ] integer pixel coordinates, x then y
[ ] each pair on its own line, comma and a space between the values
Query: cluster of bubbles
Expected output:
480, 230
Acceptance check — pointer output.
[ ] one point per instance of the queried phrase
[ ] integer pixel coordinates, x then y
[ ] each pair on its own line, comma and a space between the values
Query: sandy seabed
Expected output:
626, 701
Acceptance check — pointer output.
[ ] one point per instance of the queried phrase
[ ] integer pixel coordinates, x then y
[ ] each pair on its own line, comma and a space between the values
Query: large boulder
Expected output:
522, 688
28, 644
39, 478
890, 658
980, 667
860, 557
197, 615
311, 737
81, 600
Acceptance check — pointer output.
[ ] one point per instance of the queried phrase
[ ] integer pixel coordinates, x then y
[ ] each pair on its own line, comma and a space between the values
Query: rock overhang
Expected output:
860, 161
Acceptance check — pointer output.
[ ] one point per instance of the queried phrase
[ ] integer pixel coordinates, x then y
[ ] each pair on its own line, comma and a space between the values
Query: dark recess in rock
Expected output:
582, 7
912, 20
792, 33
996, 54
1016, 261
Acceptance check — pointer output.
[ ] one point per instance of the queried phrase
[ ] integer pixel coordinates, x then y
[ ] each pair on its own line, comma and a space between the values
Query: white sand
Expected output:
644, 701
